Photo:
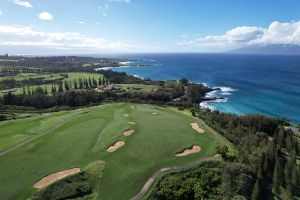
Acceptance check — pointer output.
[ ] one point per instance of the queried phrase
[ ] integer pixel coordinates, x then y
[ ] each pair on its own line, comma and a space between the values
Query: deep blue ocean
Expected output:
267, 84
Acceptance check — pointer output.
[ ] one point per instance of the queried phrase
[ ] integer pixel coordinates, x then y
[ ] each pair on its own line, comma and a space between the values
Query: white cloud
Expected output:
105, 7
45, 16
1, 12
104, 14
276, 33
23, 3
124, 1
19, 37
81, 22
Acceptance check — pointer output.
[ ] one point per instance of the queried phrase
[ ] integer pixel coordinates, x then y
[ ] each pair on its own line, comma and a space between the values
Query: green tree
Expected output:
75, 84
227, 183
24, 91
222, 150
255, 195
90, 82
81, 85
184, 81
60, 87
45, 90
276, 181
28, 90
67, 87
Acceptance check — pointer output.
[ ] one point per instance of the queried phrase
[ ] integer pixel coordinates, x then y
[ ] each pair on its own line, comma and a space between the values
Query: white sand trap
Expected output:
125, 115
195, 149
115, 146
128, 133
131, 123
196, 127
154, 113
55, 177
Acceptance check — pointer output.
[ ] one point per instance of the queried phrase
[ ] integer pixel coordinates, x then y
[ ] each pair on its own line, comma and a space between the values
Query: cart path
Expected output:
157, 174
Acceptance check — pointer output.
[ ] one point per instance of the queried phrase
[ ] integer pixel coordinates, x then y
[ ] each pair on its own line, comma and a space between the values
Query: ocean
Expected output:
266, 84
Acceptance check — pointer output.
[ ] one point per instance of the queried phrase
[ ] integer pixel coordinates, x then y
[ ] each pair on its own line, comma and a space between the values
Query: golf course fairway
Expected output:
35, 147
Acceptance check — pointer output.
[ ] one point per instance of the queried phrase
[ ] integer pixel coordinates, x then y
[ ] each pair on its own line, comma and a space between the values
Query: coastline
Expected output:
243, 91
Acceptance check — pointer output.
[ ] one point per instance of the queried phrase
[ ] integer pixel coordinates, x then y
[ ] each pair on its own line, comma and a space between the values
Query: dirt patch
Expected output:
55, 177
154, 113
194, 149
125, 115
114, 147
128, 133
131, 123
196, 127
132, 107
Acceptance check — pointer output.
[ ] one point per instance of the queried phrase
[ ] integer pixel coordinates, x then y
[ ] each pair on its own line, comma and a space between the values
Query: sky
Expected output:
100, 26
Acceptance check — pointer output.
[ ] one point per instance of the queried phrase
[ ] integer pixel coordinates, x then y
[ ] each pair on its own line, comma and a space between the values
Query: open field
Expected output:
72, 139
138, 87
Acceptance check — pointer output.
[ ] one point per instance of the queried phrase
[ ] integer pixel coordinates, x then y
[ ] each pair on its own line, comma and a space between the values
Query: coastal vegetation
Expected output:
267, 165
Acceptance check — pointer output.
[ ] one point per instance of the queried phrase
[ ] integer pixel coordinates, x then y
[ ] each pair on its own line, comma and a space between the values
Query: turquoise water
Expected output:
267, 84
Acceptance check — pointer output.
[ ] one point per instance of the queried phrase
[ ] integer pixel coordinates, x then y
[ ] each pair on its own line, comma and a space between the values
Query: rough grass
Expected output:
25, 76
137, 87
82, 140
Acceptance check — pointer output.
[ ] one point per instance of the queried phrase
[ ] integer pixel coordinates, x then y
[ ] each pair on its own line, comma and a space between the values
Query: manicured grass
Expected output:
84, 139
14, 132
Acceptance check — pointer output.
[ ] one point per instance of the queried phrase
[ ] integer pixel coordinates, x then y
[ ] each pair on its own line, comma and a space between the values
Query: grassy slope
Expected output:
25, 76
84, 139
138, 87
16, 131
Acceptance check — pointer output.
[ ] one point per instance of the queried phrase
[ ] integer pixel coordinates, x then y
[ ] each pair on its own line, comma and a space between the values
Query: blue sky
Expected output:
145, 25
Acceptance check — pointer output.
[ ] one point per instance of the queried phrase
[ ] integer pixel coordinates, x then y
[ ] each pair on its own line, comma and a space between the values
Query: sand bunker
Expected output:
115, 146
196, 127
125, 115
195, 149
131, 122
128, 133
154, 113
55, 177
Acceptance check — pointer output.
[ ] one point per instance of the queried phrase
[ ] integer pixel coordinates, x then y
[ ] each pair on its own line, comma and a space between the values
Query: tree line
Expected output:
266, 148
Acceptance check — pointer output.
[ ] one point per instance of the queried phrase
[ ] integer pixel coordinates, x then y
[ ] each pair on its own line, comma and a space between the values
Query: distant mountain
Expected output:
269, 49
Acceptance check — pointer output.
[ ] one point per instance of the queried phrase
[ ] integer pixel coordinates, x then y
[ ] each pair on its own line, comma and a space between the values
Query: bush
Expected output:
71, 187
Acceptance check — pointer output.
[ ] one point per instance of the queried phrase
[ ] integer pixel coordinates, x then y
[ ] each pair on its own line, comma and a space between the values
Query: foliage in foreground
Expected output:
205, 181
70, 187
75, 186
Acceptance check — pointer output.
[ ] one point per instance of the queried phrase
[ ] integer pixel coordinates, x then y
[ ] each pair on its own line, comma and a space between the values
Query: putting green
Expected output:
80, 140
